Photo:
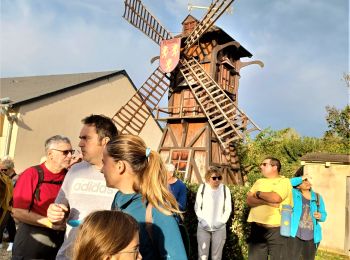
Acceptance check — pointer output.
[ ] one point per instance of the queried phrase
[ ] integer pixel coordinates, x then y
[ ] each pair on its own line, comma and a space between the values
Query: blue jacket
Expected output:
166, 239
297, 211
179, 190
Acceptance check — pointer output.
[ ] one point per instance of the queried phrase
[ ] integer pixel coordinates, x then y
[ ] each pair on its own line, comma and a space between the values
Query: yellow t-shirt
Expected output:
266, 214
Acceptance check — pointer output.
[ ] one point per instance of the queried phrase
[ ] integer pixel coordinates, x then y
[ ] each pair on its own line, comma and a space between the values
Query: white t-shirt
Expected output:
83, 191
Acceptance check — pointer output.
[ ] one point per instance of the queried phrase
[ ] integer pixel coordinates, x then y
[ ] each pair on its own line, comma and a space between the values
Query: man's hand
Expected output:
317, 215
56, 213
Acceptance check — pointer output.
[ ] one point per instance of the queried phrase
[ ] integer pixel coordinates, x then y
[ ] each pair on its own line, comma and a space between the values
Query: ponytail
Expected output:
154, 187
149, 168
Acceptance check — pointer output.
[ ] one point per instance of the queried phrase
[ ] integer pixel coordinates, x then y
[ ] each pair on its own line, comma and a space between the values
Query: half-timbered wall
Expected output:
192, 147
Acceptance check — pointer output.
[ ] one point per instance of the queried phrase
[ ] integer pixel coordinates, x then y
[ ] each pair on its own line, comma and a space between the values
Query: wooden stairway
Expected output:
132, 117
228, 122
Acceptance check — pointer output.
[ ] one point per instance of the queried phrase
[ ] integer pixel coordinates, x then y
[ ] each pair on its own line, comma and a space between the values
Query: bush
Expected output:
237, 227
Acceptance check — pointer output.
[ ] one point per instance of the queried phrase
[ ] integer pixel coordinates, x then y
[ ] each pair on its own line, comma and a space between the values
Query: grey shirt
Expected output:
306, 227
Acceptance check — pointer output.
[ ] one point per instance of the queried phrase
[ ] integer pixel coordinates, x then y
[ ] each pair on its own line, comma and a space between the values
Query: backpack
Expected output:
36, 193
183, 230
202, 193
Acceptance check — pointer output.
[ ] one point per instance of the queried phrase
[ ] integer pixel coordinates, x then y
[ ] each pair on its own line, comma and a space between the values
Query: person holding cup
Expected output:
308, 211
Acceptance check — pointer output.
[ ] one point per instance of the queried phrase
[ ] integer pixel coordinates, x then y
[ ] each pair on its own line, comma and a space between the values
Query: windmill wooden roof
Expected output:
243, 51
26, 89
326, 157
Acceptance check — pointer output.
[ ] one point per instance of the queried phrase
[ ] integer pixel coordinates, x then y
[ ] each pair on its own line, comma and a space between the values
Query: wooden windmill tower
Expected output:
203, 121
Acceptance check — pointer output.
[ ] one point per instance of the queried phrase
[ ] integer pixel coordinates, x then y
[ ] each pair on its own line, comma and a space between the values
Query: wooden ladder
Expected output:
228, 122
132, 117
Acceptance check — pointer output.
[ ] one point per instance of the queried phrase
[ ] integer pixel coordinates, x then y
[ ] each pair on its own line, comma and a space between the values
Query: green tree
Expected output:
338, 123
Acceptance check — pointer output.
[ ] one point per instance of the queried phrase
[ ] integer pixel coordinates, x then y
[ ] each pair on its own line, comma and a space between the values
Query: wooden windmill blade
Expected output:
215, 11
132, 117
137, 14
227, 121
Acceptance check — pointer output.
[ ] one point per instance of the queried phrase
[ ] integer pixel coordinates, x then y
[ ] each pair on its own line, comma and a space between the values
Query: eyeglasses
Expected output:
3, 170
135, 252
65, 152
214, 178
265, 164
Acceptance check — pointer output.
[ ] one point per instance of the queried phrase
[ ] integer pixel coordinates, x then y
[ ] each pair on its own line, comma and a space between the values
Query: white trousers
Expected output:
214, 238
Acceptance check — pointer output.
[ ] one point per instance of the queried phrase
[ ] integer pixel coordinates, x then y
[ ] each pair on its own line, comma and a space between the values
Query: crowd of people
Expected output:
118, 200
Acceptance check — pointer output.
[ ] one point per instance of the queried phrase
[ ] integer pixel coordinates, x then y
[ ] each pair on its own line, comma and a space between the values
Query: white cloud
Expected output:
303, 43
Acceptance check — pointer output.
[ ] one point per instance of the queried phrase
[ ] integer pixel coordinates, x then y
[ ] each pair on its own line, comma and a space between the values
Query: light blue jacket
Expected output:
166, 238
297, 211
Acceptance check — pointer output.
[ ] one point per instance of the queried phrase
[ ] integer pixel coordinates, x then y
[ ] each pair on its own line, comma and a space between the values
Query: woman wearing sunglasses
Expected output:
107, 235
308, 211
213, 209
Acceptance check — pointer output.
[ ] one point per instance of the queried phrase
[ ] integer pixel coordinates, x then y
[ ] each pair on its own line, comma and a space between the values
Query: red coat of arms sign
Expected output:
169, 54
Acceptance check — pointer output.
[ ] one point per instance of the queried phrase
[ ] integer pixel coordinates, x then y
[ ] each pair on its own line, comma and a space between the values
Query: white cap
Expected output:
170, 167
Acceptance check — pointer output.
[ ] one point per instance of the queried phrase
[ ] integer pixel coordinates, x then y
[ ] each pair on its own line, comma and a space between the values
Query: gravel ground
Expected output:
4, 255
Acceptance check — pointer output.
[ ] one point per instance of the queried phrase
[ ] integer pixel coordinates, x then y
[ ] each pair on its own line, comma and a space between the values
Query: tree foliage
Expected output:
286, 145
338, 123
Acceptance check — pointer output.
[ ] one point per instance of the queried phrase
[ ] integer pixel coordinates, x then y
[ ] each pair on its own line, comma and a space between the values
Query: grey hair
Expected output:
54, 140
7, 162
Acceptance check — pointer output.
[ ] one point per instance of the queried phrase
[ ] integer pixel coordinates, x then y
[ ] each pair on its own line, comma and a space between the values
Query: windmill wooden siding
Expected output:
194, 135
203, 121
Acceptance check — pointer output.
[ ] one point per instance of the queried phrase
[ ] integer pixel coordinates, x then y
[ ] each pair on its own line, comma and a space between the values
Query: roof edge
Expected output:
81, 84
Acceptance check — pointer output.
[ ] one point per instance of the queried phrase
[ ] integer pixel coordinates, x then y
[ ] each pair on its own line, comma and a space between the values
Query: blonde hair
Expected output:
104, 233
212, 170
150, 171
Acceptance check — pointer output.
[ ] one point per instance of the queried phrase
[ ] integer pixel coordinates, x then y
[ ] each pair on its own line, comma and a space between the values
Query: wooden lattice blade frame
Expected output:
132, 117
137, 14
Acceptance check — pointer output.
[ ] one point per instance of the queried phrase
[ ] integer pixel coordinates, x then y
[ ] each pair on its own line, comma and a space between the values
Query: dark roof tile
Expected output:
24, 89
326, 157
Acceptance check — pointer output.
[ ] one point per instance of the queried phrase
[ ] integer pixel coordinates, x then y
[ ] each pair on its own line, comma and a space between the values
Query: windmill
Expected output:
203, 121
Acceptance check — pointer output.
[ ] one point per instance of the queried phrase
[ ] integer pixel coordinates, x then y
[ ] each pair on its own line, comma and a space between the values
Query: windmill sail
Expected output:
215, 11
137, 14
132, 117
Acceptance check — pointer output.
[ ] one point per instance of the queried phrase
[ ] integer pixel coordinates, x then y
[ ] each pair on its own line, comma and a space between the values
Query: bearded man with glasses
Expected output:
265, 199
36, 188
213, 209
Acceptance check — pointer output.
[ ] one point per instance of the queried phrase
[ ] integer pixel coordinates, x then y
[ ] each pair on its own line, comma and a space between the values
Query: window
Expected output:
226, 77
180, 159
190, 106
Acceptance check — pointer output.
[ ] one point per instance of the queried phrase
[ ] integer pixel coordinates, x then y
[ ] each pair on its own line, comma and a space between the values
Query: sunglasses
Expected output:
217, 178
65, 152
265, 164
3, 170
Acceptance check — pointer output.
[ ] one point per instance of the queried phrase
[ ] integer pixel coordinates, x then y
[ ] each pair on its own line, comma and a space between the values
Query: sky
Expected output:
304, 45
